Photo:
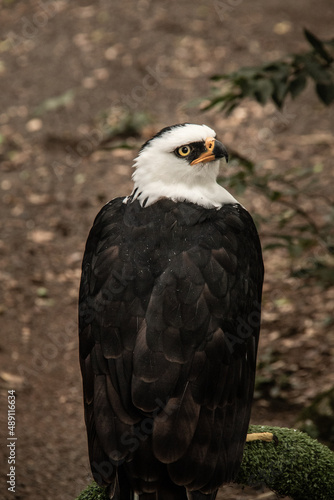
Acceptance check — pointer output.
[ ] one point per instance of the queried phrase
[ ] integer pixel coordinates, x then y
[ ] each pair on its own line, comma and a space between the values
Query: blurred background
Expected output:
82, 85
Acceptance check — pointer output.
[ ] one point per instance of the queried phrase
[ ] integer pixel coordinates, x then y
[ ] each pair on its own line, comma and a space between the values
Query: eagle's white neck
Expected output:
198, 187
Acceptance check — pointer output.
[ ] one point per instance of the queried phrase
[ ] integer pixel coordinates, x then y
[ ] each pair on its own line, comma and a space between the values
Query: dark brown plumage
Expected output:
169, 321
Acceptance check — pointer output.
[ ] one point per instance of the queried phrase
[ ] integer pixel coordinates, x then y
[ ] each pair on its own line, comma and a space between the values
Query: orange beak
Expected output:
214, 150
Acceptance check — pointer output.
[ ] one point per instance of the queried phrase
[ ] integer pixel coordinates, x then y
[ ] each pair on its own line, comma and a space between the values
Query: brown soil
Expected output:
139, 57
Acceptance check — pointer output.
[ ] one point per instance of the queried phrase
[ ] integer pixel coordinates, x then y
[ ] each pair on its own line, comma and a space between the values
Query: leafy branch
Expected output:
277, 79
295, 229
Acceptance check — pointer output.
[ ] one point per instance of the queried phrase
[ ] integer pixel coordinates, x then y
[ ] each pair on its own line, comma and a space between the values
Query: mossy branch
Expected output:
293, 465
296, 465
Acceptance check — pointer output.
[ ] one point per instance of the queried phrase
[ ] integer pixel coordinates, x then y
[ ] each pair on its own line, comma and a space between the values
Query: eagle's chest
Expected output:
151, 247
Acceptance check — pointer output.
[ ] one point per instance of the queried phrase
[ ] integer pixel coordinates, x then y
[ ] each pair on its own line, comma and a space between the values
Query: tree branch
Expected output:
296, 466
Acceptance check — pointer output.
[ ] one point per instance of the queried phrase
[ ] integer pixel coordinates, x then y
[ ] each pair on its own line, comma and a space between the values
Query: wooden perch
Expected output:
292, 464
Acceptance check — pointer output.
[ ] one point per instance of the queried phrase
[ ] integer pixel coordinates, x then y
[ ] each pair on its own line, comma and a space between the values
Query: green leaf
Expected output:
274, 195
229, 107
297, 85
325, 92
280, 91
246, 87
224, 101
249, 72
279, 79
318, 46
316, 70
273, 66
264, 90
216, 78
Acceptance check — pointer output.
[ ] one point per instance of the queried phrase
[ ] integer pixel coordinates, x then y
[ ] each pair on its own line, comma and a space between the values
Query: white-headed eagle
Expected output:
169, 319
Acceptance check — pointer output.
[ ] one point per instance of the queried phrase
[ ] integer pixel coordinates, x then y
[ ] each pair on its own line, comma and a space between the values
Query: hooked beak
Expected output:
214, 150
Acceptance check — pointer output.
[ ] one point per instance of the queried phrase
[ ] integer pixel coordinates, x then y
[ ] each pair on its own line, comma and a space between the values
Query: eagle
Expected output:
169, 321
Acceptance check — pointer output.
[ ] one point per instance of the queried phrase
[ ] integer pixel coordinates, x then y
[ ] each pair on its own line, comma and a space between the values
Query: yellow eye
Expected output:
184, 150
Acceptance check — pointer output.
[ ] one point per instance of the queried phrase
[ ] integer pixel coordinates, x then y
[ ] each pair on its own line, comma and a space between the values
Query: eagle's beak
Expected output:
214, 150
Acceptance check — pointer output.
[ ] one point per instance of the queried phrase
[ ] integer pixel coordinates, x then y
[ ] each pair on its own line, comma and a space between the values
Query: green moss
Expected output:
93, 492
295, 466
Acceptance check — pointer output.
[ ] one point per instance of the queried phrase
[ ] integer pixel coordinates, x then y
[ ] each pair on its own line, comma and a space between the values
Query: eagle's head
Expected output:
181, 162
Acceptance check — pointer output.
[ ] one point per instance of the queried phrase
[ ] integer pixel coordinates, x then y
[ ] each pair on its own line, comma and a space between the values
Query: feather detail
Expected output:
185, 470
148, 364
147, 395
174, 427
124, 415
108, 429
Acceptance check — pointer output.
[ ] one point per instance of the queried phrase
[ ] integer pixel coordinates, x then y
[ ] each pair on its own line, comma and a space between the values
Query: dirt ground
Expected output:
65, 69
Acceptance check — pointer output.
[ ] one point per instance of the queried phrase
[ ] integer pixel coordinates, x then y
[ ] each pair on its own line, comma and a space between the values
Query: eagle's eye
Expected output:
183, 151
